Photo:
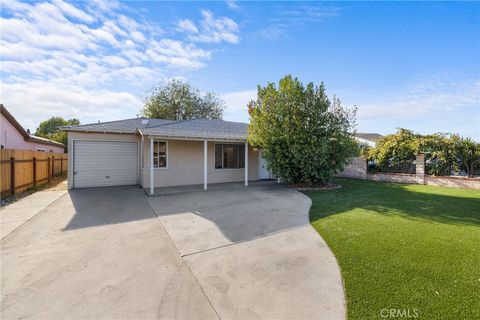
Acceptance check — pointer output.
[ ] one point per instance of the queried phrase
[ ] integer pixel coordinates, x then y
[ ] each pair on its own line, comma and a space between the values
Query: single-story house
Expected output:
160, 153
14, 136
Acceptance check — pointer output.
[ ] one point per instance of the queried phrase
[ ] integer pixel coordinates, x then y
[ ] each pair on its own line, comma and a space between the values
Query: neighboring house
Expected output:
160, 153
368, 138
14, 136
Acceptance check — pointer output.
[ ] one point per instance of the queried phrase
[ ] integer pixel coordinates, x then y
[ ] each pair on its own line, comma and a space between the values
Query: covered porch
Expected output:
161, 157
196, 153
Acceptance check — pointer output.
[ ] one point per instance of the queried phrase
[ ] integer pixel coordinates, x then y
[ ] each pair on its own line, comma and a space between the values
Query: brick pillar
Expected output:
420, 168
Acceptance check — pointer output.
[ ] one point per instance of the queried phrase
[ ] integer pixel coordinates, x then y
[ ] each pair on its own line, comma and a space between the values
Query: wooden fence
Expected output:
22, 169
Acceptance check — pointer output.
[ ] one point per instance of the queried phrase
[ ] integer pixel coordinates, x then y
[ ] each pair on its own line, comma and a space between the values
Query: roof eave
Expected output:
195, 138
10, 118
99, 131
49, 142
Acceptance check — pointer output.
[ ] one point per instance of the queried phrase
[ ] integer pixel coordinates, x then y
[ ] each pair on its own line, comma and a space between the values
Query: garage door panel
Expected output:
99, 166
105, 163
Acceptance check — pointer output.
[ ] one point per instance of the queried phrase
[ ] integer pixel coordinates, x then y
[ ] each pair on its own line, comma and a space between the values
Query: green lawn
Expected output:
403, 247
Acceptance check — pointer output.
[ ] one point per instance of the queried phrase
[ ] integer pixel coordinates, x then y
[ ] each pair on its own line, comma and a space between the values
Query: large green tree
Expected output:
177, 100
50, 129
306, 137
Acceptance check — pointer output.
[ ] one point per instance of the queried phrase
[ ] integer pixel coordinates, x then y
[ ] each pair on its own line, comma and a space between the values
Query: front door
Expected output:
263, 173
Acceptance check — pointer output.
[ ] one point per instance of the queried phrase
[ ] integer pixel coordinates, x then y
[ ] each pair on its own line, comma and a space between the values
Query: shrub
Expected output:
306, 137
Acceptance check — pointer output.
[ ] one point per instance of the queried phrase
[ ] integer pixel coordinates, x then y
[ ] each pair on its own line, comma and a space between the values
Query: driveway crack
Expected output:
185, 263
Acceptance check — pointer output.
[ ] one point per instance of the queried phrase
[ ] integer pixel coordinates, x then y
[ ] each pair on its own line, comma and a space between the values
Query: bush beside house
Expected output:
306, 137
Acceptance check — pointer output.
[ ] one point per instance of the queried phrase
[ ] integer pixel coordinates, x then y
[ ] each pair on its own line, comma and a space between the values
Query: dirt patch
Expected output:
57, 183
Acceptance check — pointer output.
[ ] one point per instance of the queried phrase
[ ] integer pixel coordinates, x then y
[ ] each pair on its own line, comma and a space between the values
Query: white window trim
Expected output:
214, 155
166, 151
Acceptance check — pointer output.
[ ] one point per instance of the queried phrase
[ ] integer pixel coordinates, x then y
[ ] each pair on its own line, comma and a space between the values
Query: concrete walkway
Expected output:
17, 213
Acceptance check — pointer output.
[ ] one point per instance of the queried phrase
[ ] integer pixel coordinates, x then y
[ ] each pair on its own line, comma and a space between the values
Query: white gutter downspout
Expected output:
205, 165
152, 187
246, 164
140, 159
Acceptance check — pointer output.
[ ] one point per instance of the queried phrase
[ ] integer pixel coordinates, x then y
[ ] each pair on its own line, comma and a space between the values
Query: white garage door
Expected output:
104, 163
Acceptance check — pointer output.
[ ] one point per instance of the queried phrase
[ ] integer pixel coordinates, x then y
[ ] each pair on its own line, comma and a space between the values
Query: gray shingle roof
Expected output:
197, 128
200, 128
119, 126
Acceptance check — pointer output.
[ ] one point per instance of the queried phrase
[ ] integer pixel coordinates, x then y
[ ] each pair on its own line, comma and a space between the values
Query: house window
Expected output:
159, 154
229, 156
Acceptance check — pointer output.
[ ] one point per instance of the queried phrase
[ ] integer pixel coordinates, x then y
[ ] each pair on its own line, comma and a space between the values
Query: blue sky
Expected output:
403, 64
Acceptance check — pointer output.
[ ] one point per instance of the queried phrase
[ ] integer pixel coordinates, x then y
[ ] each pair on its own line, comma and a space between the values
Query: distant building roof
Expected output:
369, 136
27, 136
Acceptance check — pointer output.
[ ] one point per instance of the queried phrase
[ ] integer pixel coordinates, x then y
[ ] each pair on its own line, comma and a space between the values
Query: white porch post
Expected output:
152, 187
246, 164
205, 165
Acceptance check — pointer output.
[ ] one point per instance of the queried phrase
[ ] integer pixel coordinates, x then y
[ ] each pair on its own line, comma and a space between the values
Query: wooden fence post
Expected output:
61, 165
48, 168
53, 166
12, 175
34, 171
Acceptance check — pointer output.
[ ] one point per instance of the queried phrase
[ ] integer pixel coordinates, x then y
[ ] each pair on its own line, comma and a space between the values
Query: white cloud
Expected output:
212, 30
91, 60
71, 11
437, 94
116, 61
232, 4
236, 104
294, 16
187, 26
308, 13
273, 32
34, 101
176, 53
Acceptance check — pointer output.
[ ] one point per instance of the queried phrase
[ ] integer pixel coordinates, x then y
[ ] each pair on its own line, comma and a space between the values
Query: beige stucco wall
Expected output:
93, 136
185, 165
184, 158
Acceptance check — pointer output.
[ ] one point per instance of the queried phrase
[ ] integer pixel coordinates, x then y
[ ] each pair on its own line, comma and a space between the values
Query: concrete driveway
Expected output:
241, 253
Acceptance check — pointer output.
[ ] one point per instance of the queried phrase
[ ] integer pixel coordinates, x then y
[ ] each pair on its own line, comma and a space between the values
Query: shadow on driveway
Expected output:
205, 220
103, 206
196, 221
